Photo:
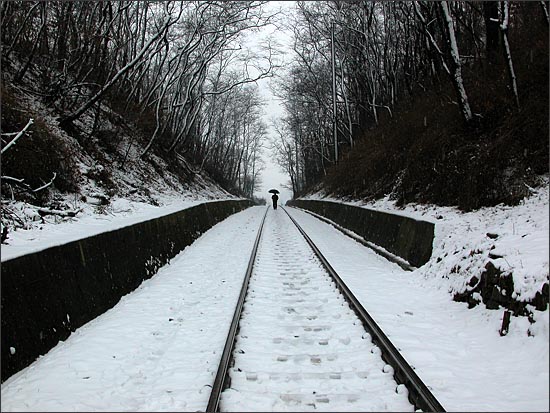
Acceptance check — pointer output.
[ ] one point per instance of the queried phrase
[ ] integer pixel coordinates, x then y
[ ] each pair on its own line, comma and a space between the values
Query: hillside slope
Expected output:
82, 174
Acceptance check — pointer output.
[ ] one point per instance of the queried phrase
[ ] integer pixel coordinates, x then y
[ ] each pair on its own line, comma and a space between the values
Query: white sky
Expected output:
273, 175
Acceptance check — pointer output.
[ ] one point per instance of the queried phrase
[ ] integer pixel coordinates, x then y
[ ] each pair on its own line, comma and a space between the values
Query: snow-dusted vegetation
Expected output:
441, 103
105, 181
118, 112
437, 109
133, 100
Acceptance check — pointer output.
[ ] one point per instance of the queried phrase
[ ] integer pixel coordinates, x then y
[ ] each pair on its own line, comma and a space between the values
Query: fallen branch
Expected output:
58, 212
11, 178
9, 212
20, 182
46, 185
12, 142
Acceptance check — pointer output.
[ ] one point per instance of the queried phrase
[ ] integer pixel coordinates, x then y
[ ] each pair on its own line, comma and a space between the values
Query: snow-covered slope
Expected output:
113, 185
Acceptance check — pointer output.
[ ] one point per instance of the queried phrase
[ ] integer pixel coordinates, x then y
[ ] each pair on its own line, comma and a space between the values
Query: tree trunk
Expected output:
507, 53
37, 42
545, 12
490, 15
457, 66
66, 9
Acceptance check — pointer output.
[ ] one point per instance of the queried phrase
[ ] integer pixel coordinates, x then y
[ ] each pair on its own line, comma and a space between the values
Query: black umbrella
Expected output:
273, 191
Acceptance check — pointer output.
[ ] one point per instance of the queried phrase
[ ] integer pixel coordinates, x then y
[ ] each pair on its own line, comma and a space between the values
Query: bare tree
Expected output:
169, 20
505, 6
154, 58
458, 81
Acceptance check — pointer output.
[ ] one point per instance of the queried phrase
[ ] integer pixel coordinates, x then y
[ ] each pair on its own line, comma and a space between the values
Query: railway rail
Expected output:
300, 340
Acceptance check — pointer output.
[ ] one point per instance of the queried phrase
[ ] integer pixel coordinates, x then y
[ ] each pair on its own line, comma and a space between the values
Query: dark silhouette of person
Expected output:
274, 198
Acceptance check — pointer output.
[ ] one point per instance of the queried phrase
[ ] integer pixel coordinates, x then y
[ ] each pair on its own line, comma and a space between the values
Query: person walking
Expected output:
274, 198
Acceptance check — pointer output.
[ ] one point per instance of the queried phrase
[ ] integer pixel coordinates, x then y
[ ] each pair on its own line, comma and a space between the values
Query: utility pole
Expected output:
334, 126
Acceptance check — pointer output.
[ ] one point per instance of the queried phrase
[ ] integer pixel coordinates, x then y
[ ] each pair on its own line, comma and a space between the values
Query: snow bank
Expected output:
515, 239
53, 231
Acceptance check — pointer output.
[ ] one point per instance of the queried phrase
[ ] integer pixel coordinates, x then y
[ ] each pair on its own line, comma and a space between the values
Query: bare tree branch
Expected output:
19, 134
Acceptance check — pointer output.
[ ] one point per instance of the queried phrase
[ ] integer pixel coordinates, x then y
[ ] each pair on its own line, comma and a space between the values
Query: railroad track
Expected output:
300, 340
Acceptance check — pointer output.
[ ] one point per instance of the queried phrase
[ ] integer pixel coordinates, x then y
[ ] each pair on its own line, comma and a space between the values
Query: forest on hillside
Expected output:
175, 76
438, 102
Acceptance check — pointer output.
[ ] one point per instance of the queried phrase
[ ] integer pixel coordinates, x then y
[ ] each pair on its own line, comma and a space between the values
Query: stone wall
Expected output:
49, 294
496, 291
405, 237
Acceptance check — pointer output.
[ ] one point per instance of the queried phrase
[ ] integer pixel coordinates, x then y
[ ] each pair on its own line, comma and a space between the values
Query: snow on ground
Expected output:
457, 352
120, 213
300, 347
157, 350
462, 245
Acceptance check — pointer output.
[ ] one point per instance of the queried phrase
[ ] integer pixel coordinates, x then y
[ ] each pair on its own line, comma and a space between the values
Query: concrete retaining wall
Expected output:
49, 294
405, 237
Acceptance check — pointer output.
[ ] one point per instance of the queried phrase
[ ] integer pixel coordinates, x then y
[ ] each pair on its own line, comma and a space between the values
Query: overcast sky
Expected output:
273, 176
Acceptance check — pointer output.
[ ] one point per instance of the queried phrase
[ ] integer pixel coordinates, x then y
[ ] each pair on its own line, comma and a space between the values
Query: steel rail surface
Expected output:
221, 375
419, 394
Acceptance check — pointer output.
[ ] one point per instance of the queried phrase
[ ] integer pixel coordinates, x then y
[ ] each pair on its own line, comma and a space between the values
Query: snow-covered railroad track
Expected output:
300, 341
